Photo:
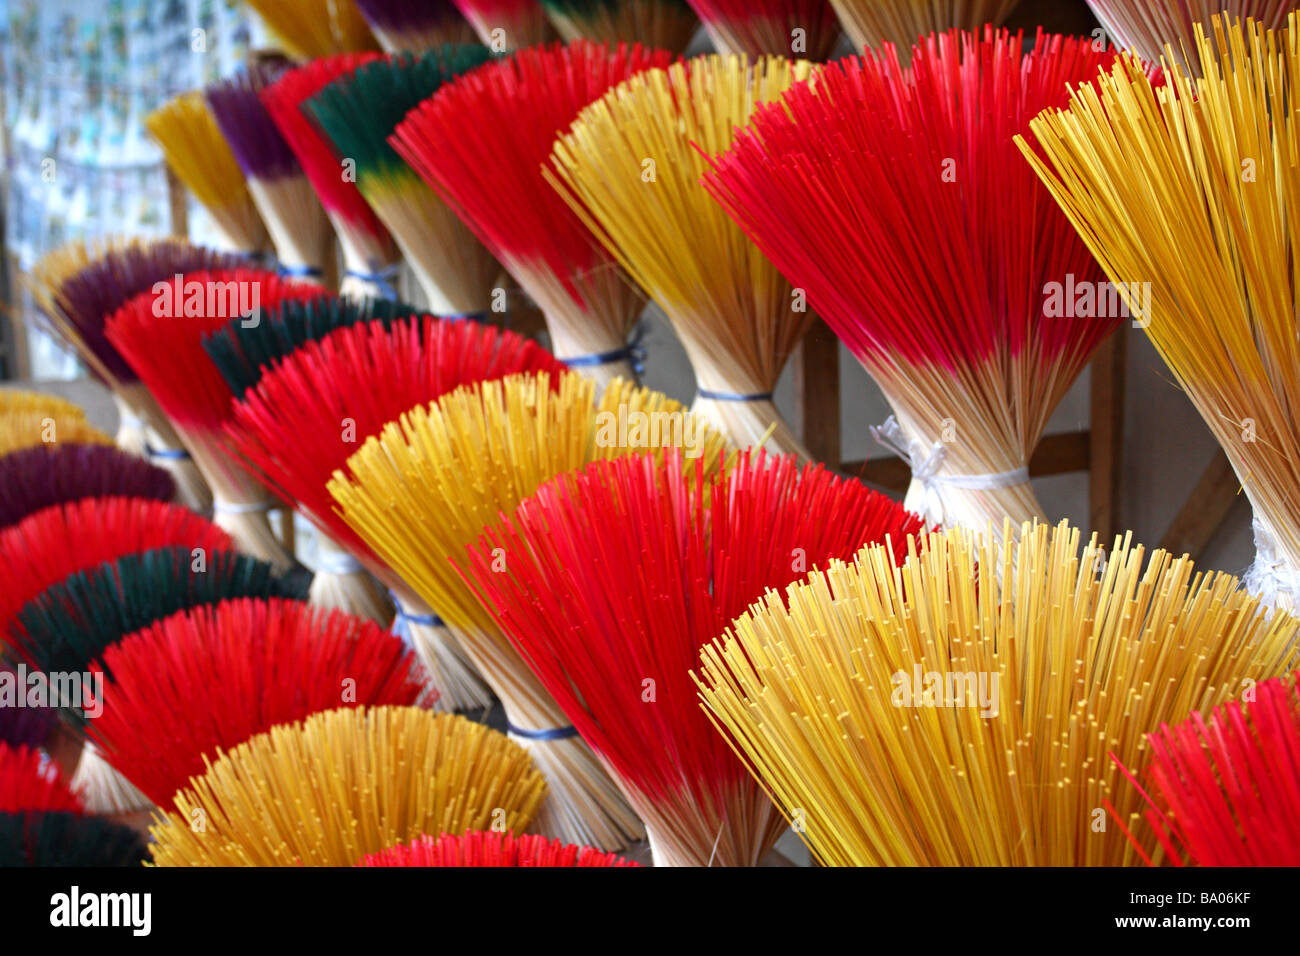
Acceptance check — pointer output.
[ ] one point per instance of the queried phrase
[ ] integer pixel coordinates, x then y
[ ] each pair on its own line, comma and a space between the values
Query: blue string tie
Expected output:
734, 396
634, 352
299, 272
166, 454
381, 279
553, 733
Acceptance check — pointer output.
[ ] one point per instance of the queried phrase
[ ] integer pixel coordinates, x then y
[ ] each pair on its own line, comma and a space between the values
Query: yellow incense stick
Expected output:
1188, 196
630, 169
959, 707
344, 783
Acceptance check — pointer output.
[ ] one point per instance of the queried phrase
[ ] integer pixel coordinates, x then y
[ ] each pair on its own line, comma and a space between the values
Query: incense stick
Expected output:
957, 708
1187, 192
930, 251
422, 489
629, 168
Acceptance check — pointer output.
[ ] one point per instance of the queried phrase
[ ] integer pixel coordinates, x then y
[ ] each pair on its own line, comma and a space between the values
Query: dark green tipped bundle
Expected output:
660, 24
72, 623
243, 353
357, 113
46, 838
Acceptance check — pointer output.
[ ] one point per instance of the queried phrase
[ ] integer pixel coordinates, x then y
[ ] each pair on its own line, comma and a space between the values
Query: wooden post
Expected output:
1205, 510
817, 393
1106, 434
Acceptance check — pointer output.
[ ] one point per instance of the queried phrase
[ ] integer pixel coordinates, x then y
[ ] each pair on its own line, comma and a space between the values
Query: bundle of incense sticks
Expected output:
422, 490
20, 431
480, 848
48, 545
1149, 26
932, 252
345, 783
312, 28
618, 573
358, 112
302, 420
72, 622
416, 25
43, 822
666, 24
160, 333
194, 148
985, 682
60, 838
233, 671
493, 180
507, 24
51, 544
1226, 791
280, 190
737, 317
78, 286
49, 475
871, 23
21, 400
1187, 195
805, 29
370, 260
30, 782
242, 352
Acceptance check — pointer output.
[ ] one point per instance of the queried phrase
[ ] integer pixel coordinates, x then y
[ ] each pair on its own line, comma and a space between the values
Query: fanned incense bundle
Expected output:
872, 23
49, 475
358, 113
487, 848
18, 400
1229, 787
422, 490
279, 188
72, 623
344, 783
662, 24
958, 708
79, 285
735, 314
243, 353
930, 250
1148, 26
416, 25
493, 180
213, 677
194, 148
1189, 192
300, 423
20, 431
609, 580
370, 260
312, 28
67, 839
805, 29
507, 24
51, 544
29, 782
160, 333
